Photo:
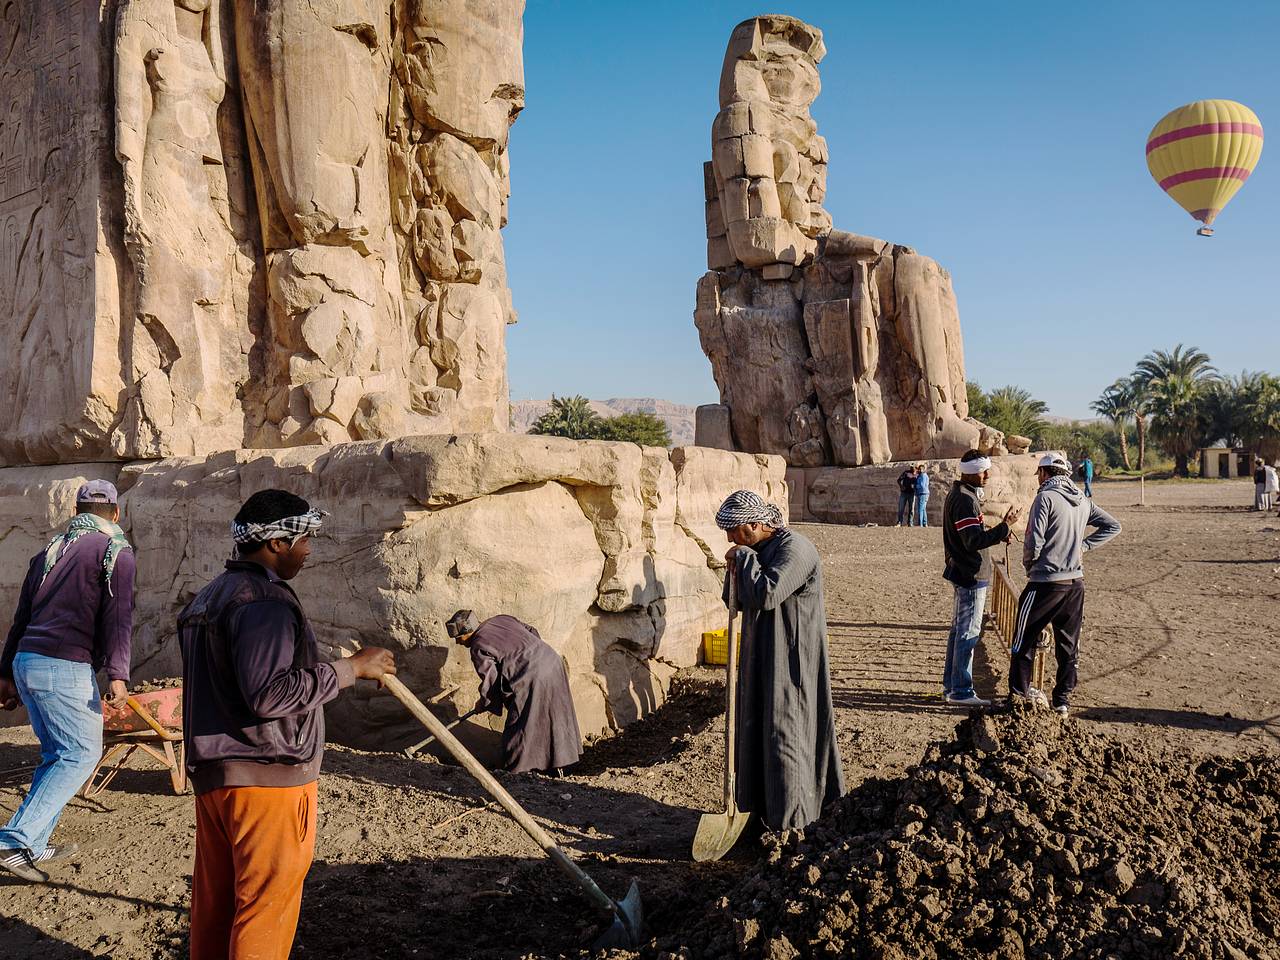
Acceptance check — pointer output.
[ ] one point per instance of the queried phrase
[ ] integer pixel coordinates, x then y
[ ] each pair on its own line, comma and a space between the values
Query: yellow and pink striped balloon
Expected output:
1201, 154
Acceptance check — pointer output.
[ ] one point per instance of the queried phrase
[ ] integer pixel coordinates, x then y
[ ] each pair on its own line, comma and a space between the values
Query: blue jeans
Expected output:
922, 518
65, 706
906, 506
1088, 486
966, 630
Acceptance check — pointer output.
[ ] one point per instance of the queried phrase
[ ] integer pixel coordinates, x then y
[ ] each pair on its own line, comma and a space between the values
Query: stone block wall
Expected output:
609, 549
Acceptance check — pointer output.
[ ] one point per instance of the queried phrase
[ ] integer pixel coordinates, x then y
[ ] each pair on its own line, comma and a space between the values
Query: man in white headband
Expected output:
254, 688
967, 543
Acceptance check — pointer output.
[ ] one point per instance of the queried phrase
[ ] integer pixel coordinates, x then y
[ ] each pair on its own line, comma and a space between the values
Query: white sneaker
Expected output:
970, 701
1062, 710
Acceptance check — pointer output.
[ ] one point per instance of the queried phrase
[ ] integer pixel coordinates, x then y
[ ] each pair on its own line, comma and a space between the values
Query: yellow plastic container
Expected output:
715, 647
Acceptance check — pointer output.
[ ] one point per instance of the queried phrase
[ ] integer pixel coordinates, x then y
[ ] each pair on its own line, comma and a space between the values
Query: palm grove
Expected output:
573, 417
1173, 400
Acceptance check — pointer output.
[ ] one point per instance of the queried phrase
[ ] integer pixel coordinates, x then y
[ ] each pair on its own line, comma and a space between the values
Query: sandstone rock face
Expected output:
609, 549
264, 223
829, 348
870, 494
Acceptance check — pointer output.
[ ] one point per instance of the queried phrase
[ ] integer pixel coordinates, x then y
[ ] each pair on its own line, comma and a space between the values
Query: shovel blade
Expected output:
626, 931
717, 833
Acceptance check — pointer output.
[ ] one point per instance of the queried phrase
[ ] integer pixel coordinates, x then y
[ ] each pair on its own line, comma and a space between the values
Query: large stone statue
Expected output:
297, 207
829, 348
182, 348
233, 226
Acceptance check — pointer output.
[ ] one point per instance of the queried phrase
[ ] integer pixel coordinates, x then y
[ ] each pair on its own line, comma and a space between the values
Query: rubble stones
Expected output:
1139, 852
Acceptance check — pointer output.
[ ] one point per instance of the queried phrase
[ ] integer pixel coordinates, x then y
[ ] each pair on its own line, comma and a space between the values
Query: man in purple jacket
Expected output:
254, 688
74, 617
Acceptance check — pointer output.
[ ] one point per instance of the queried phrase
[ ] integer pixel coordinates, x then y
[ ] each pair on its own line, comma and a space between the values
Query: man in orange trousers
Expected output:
254, 688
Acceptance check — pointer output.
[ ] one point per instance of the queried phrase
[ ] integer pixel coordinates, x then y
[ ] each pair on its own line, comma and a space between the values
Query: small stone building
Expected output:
1223, 461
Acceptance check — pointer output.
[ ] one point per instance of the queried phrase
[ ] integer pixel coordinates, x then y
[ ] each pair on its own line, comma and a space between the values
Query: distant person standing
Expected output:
922, 496
1260, 499
74, 617
907, 495
967, 544
1270, 486
1086, 473
1052, 554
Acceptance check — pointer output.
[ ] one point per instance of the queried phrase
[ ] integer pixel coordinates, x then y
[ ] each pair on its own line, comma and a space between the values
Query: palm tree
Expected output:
1190, 362
1178, 417
1012, 410
1116, 404
1171, 385
1258, 408
1140, 396
570, 417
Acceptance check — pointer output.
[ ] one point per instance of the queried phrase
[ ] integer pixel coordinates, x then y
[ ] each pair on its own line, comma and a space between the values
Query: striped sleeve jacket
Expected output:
965, 539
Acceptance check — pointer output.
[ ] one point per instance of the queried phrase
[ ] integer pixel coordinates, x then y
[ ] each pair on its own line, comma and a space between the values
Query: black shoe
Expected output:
19, 863
59, 851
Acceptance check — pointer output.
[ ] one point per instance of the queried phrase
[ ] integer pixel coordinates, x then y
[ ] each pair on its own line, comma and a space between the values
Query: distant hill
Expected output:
677, 416
1068, 421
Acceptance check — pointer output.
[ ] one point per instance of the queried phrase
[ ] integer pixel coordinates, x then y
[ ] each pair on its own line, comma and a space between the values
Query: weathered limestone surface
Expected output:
261, 223
61, 378
870, 494
829, 348
609, 549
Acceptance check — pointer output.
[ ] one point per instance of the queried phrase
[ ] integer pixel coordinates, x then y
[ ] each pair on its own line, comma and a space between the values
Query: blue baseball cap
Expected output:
97, 491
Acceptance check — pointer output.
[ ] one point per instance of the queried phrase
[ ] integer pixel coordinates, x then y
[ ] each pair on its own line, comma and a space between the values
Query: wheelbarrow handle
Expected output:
147, 718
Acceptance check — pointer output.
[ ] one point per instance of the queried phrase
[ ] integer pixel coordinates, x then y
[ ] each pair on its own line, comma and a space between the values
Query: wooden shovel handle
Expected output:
731, 695
499, 793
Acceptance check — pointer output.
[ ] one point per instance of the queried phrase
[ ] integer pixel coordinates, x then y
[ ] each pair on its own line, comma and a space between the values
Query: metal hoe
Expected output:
410, 751
628, 914
718, 832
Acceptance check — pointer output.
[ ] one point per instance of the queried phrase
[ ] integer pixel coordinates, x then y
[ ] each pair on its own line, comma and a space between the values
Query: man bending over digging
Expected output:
253, 694
521, 673
788, 762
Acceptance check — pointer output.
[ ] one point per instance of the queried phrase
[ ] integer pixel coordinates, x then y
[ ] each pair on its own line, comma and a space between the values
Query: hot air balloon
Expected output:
1201, 154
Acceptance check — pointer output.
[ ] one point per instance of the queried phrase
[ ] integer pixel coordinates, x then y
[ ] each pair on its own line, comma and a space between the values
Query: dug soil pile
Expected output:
1025, 836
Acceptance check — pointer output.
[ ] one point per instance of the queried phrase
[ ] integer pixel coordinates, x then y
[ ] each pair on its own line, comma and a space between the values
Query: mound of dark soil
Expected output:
1025, 836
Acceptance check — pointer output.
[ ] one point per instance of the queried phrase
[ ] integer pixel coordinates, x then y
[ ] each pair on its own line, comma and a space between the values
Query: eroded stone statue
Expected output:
829, 348
298, 206
182, 347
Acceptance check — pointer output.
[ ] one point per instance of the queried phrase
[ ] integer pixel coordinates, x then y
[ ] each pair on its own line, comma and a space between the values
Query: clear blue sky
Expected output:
1005, 140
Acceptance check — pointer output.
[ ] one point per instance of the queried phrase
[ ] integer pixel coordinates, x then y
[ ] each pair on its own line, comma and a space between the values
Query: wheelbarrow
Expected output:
150, 722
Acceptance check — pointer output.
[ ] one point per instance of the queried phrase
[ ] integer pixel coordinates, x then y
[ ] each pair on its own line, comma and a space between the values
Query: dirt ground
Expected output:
1181, 654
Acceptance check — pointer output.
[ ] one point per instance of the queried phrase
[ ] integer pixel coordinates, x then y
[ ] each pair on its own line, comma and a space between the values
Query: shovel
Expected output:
628, 914
410, 751
718, 832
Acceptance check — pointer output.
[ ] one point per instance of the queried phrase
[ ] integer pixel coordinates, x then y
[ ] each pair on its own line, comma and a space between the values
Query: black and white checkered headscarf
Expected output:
744, 506
287, 528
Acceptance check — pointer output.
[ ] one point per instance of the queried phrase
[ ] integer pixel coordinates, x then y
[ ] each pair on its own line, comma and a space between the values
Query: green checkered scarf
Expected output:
81, 524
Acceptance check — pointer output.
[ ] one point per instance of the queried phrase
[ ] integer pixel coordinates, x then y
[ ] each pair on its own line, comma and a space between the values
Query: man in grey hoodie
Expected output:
1052, 554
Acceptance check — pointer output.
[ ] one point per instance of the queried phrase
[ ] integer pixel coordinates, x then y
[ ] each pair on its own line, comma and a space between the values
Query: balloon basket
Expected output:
1205, 232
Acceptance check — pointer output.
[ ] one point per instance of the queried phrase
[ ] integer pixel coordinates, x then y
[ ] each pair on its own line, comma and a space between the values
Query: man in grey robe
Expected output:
521, 673
788, 762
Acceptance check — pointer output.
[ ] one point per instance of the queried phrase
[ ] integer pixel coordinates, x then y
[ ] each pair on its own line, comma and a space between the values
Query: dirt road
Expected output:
1181, 648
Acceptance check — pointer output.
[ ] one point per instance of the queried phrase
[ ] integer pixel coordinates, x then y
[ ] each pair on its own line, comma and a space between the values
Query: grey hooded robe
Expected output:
521, 673
788, 762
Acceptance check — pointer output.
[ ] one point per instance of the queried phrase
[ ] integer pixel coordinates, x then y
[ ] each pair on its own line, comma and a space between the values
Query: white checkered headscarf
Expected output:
287, 528
744, 506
